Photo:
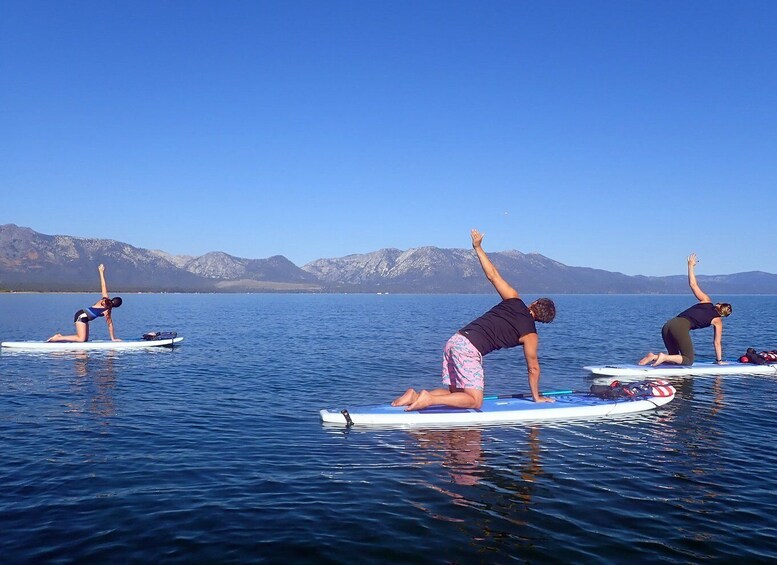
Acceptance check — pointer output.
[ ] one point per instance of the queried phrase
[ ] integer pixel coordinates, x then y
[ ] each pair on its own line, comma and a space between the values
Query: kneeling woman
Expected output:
677, 331
102, 308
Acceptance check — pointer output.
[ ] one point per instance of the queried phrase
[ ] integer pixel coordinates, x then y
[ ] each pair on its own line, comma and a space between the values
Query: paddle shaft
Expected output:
521, 395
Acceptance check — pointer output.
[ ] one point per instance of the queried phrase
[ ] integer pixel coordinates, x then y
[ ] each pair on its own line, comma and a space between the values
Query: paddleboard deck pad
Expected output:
667, 370
90, 345
648, 395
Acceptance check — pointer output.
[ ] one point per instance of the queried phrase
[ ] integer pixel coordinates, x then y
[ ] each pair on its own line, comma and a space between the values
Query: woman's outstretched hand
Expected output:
477, 238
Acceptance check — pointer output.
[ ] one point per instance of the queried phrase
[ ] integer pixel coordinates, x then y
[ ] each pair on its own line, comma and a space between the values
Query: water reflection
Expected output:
499, 481
718, 399
461, 454
531, 469
461, 451
700, 461
93, 384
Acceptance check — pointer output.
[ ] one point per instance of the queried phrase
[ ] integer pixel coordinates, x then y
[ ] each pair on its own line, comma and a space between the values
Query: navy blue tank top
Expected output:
94, 313
700, 315
501, 327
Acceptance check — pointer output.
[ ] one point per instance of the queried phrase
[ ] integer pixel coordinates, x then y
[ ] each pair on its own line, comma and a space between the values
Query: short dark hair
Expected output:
116, 302
544, 310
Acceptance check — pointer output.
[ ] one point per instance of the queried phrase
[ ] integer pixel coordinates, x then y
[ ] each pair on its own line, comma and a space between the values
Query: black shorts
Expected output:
81, 316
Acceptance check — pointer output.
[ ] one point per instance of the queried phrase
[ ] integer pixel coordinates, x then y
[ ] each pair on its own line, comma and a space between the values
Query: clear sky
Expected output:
619, 135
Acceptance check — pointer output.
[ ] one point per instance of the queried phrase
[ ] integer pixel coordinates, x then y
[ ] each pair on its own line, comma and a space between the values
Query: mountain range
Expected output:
31, 261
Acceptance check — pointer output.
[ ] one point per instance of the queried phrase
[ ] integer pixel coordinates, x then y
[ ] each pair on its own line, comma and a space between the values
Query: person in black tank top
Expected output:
508, 324
676, 333
101, 308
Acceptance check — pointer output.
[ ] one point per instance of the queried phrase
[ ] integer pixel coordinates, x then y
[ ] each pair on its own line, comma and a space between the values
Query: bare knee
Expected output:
476, 397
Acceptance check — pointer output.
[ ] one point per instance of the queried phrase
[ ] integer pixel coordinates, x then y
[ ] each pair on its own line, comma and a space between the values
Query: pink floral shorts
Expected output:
462, 364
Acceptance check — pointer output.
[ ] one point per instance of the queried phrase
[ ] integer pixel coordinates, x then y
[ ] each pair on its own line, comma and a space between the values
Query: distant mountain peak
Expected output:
33, 261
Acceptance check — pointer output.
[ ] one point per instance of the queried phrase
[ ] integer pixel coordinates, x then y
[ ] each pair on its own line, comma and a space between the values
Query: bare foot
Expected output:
424, 400
54, 338
409, 397
649, 358
660, 358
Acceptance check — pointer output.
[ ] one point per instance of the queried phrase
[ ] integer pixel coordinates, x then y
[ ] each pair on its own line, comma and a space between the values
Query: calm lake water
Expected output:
213, 452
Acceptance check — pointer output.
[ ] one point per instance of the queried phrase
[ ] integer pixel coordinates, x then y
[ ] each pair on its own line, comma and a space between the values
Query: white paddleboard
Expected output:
510, 409
669, 370
89, 345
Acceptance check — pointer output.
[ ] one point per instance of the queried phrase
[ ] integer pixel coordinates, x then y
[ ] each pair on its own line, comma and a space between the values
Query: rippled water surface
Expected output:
213, 452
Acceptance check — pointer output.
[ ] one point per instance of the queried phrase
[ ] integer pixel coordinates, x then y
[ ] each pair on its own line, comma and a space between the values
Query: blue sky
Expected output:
615, 135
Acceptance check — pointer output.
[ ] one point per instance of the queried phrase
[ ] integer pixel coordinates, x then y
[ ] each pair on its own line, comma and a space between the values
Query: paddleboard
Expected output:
501, 409
668, 370
89, 345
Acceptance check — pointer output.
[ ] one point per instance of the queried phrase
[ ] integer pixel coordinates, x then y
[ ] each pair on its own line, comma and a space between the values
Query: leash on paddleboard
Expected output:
347, 416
